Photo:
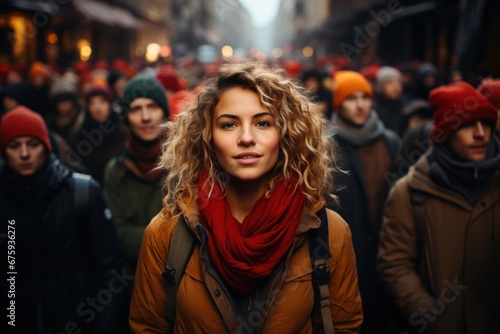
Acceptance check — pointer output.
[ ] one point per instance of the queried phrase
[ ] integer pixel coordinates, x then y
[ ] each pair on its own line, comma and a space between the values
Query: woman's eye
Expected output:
228, 125
263, 124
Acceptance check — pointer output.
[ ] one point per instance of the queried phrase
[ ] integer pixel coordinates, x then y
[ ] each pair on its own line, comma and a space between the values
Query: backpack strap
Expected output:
319, 252
82, 189
183, 243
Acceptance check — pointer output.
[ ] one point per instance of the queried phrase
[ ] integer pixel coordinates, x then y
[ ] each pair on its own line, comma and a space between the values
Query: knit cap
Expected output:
22, 121
103, 91
387, 73
38, 68
490, 88
456, 105
63, 90
145, 86
347, 83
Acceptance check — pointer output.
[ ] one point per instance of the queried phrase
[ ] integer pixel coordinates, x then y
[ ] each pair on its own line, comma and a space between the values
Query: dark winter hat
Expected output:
18, 92
22, 121
145, 86
98, 91
456, 105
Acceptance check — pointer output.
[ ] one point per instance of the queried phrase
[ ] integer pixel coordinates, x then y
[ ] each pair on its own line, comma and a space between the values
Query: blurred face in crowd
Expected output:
312, 84
246, 137
9, 103
99, 108
429, 80
119, 86
144, 117
65, 108
14, 77
356, 108
392, 89
470, 142
25, 155
38, 81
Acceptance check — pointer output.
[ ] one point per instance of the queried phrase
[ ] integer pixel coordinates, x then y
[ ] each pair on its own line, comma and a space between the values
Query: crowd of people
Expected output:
101, 165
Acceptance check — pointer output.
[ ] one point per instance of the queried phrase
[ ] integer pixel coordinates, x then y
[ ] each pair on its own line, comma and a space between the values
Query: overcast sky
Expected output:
261, 11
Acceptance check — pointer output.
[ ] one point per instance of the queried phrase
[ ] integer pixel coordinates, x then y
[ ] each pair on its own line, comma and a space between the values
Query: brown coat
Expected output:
204, 307
448, 281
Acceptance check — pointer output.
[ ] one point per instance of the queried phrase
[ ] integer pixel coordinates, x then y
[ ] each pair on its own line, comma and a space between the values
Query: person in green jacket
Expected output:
132, 185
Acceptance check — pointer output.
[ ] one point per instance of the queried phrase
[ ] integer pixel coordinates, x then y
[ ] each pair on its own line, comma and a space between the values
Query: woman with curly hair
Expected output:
250, 164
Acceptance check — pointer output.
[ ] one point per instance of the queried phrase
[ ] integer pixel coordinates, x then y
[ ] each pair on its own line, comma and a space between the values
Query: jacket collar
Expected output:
420, 180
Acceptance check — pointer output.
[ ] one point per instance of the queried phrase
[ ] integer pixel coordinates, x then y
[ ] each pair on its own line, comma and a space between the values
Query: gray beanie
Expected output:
386, 73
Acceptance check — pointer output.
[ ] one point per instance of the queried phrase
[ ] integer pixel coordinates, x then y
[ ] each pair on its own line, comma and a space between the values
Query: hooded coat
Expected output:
443, 273
69, 265
285, 304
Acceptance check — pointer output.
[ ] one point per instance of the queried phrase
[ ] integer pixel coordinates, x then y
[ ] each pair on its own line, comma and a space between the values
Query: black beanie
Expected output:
144, 86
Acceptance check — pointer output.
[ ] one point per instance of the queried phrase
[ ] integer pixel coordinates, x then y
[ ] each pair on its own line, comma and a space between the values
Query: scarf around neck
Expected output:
359, 136
468, 178
145, 156
246, 253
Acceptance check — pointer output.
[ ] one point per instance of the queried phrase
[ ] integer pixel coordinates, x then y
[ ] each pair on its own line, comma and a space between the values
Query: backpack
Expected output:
82, 188
81, 200
184, 241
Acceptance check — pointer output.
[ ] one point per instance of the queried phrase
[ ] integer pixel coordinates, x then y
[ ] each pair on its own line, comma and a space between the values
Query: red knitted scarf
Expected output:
145, 157
246, 253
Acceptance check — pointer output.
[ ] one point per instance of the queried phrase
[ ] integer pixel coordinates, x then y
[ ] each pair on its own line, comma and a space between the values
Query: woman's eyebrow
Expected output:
265, 113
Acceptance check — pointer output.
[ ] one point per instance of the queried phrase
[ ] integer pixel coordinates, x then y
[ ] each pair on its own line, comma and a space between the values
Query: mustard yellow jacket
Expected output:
286, 307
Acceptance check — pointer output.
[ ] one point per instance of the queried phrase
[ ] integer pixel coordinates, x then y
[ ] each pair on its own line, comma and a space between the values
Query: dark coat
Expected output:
355, 209
68, 264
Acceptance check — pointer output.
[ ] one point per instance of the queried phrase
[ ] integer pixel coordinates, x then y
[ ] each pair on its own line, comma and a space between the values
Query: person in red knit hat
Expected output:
490, 88
66, 246
25, 132
441, 228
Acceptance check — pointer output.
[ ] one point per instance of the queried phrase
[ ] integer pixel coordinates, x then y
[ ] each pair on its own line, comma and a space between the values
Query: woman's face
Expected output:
99, 108
245, 135
25, 155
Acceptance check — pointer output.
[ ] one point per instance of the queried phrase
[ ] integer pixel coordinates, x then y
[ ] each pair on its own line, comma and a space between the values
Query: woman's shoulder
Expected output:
335, 221
160, 230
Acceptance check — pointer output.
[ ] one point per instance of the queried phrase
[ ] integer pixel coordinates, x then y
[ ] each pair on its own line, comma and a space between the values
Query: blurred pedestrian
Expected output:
64, 242
102, 130
367, 150
426, 79
439, 245
40, 82
313, 82
490, 88
255, 176
66, 116
388, 100
132, 185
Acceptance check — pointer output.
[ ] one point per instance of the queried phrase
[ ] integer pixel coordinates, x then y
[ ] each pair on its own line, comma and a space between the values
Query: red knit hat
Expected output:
347, 83
22, 121
456, 105
490, 88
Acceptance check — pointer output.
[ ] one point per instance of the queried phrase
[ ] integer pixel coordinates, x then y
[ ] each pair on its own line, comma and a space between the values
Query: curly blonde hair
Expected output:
306, 148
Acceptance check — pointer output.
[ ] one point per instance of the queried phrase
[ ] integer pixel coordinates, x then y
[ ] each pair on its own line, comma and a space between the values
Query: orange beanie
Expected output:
39, 68
347, 83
